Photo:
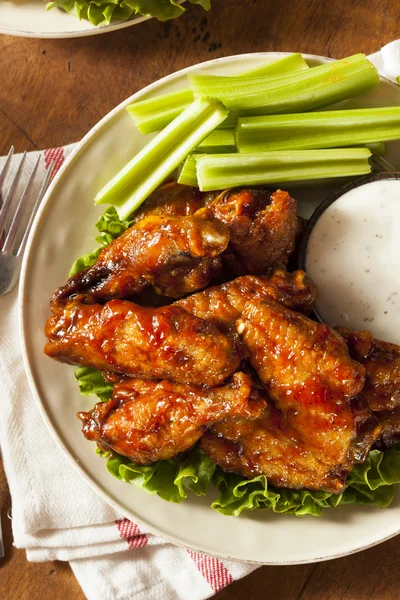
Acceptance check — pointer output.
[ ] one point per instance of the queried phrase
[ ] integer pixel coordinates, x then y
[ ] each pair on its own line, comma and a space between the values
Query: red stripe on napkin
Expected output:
56, 156
212, 569
130, 532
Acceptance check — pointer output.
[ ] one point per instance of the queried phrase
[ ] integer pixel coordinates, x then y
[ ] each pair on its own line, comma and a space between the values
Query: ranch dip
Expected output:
353, 255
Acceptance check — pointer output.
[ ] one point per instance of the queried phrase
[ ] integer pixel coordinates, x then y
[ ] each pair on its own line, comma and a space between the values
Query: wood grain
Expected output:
52, 92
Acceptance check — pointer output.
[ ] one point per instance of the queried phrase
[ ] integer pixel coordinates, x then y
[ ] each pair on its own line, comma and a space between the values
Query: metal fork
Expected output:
12, 213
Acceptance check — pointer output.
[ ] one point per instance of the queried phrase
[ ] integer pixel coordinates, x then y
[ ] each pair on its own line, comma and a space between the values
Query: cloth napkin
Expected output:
56, 515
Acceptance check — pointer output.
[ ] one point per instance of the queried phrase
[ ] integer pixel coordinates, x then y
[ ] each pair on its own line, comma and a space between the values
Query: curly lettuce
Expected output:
110, 227
104, 12
370, 484
92, 383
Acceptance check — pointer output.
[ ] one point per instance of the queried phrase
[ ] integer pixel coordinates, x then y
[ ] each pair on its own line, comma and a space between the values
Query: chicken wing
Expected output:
161, 343
174, 255
308, 372
149, 421
223, 304
382, 363
382, 384
173, 200
270, 446
262, 224
390, 423
262, 227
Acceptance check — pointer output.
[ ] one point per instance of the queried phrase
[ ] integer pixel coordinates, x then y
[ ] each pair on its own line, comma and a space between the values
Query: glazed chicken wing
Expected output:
270, 446
149, 421
122, 337
308, 372
262, 227
173, 200
382, 363
382, 384
174, 255
223, 304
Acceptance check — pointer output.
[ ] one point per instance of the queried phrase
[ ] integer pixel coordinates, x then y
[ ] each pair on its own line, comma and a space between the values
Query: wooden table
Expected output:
53, 92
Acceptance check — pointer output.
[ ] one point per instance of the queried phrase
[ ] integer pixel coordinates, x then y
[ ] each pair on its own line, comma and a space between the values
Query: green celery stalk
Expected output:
219, 141
154, 114
327, 129
376, 148
220, 171
301, 91
287, 64
188, 175
148, 169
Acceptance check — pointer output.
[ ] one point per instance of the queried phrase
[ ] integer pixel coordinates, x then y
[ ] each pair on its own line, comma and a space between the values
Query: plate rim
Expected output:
23, 326
72, 33
69, 34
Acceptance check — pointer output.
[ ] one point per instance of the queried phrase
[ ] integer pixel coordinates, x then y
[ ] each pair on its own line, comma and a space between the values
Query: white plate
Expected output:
28, 18
63, 230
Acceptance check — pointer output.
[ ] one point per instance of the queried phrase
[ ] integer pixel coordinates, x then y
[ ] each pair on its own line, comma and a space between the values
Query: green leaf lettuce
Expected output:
370, 484
110, 227
103, 12
91, 382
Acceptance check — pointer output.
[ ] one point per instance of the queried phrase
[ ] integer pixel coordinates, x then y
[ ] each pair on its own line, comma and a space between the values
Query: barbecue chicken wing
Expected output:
262, 227
174, 255
270, 446
382, 363
308, 372
223, 304
122, 337
382, 384
173, 200
149, 421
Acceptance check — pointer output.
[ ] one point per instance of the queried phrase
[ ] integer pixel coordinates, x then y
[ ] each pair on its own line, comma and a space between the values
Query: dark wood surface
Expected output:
53, 91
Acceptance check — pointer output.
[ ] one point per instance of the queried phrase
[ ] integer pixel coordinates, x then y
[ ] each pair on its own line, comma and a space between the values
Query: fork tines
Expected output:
8, 234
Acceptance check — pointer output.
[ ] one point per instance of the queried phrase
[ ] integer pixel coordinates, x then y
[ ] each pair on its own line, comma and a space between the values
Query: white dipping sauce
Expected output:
353, 255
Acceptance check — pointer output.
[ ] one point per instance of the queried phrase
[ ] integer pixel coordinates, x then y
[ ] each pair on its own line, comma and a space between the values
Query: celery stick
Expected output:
187, 175
219, 141
294, 92
287, 64
230, 121
219, 171
327, 129
131, 186
154, 114
376, 148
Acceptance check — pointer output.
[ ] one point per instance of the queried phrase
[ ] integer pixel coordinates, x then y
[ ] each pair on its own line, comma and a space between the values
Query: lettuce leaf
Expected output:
103, 12
110, 227
170, 479
91, 382
370, 484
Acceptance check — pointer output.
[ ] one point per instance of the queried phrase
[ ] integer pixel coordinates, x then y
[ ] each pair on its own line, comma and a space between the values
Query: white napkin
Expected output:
57, 516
